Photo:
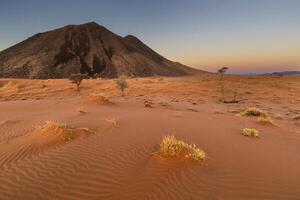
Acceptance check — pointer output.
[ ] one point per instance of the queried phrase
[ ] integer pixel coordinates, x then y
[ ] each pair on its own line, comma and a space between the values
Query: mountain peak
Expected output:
86, 48
90, 24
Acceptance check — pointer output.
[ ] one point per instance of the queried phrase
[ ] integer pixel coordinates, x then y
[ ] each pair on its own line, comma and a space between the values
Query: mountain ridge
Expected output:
86, 48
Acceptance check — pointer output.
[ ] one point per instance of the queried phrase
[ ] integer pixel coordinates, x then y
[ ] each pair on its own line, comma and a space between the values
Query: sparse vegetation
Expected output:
277, 116
263, 117
235, 94
10, 86
99, 98
252, 111
177, 114
77, 79
221, 73
171, 147
250, 132
61, 130
81, 109
296, 117
147, 104
122, 84
265, 120
113, 121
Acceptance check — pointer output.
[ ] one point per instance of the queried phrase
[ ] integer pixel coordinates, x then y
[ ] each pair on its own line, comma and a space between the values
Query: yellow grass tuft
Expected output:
52, 128
112, 121
251, 111
250, 132
51, 125
171, 147
265, 121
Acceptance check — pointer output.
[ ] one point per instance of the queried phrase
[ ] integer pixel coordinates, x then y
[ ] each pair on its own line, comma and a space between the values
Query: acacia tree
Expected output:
122, 84
77, 79
221, 73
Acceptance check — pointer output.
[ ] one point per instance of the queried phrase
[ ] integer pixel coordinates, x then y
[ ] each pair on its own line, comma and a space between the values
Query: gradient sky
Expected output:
248, 36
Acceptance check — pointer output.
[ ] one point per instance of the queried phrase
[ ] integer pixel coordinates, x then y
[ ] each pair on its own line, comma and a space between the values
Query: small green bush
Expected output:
122, 84
77, 79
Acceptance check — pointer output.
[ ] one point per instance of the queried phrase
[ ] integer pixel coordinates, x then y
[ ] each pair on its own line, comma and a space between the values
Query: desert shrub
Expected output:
254, 112
250, 132
171, 147
77, 79
122, 84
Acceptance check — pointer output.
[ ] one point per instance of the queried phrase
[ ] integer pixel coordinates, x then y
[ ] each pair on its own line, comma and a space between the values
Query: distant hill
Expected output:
284, 73
86, 48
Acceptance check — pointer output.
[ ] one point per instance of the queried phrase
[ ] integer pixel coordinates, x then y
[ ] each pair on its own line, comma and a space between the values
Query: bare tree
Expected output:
221, 72
122, 84
77, 79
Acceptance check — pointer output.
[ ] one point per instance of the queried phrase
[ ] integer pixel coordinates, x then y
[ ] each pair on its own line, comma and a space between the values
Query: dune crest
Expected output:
44, 137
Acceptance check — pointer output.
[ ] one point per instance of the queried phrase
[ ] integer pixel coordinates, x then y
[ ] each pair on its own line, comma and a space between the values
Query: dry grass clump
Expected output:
147, 104
296, 117
113, 121
251, 111
250, 132
81, 109
177, 114
277, 116
62, 131
265, 121
171, 147
10, 86
263, 117
98, 99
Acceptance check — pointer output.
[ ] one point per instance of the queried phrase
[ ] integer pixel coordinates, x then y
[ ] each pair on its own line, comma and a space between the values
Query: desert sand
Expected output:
113, 154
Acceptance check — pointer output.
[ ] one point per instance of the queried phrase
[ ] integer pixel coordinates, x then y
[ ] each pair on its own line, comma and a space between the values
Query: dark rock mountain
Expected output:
87, 48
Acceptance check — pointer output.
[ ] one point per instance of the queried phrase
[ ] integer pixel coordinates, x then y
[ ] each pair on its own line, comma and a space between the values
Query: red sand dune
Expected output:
119, 160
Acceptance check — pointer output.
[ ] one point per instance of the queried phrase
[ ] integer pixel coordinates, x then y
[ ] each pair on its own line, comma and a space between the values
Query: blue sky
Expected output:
244, 35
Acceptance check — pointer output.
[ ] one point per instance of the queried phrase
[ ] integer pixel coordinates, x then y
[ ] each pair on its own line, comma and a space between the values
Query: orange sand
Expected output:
118, 160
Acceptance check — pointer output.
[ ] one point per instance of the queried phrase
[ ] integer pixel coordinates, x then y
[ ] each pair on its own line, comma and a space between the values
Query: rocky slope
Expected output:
87, 48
